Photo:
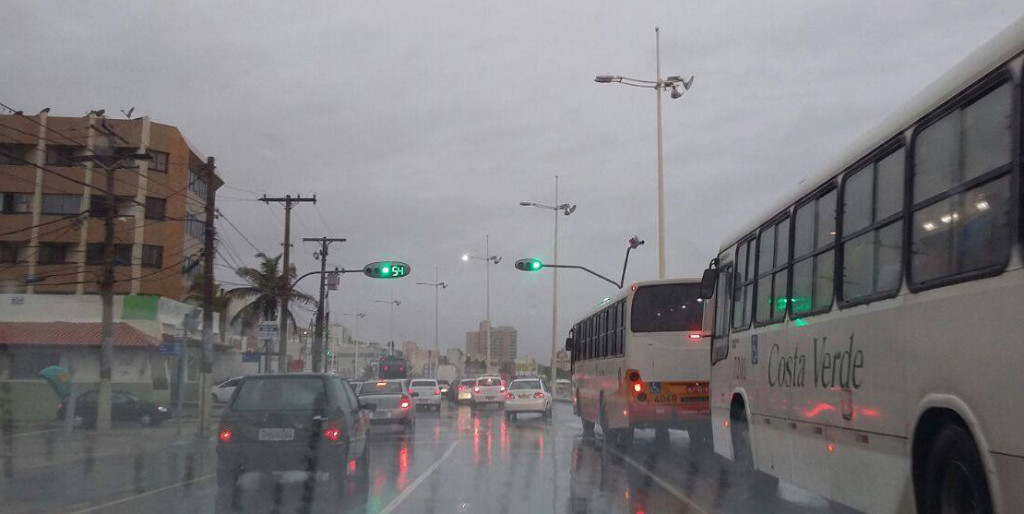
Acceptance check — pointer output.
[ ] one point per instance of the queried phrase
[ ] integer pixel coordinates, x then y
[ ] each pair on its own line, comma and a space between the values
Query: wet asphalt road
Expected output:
458, 461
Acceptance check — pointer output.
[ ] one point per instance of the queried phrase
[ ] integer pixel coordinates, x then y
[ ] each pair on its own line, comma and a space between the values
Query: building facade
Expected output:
504, 343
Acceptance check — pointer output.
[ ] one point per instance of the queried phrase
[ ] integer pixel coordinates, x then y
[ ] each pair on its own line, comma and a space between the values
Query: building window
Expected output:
14, 155
197, 183
59, 155
873, 228
61, 204
52, 253
814, 236
98, 206
9, 252
156, 208
194, 227
16, 203
94, 254
961, 194
26, 365
152, 256
159, 161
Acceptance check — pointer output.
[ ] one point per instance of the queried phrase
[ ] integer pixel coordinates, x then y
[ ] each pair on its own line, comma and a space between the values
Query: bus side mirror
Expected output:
707, 283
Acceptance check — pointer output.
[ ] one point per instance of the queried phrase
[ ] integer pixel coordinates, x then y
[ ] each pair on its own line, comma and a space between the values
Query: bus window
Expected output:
720, 342
667, 308
813, 252
773, 258
742, 295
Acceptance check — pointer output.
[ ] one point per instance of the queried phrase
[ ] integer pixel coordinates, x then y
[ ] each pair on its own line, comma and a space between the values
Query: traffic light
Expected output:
387, 269
529, 265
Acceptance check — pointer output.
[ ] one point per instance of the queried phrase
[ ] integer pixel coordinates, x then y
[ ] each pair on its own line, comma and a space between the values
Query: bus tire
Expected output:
759, 485
954, 475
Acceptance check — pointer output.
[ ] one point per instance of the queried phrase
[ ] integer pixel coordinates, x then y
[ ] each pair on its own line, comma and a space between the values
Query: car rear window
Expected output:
422, 383
371, 388
298, 393
525, 384
468, 382
489, 381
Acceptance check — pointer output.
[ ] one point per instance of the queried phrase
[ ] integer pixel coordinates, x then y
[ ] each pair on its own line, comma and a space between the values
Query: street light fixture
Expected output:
669, 84
490, 259
437, 284
566, 209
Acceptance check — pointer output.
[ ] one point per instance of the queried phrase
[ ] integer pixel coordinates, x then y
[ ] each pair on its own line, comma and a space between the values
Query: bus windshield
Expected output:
667, 308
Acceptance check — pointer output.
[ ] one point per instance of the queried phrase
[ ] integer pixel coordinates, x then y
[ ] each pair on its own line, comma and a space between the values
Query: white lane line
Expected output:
408, 490
142, 495
19, 434
665, 485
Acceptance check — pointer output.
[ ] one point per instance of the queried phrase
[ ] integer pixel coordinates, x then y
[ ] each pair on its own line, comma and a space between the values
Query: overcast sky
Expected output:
420, 126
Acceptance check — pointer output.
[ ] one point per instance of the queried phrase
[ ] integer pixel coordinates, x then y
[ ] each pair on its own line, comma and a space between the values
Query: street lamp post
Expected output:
437, 284
391, 331
659, 85
490, 259
566, 209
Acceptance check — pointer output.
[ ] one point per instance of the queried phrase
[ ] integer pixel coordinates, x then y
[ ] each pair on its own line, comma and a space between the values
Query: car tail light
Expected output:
538, 394
476, 389
406, 402
509, 396
387, 368
501, 389
637, 387
437, 392
333, 433
694, 336
225, 435
461, 388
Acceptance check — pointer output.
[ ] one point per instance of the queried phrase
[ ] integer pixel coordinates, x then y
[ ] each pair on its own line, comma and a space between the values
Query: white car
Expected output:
488, 389
464, 391
528, 395
221, 392
428, 392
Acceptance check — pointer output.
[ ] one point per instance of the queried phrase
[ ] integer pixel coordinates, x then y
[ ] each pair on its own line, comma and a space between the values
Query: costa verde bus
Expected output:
867, 339
640, 360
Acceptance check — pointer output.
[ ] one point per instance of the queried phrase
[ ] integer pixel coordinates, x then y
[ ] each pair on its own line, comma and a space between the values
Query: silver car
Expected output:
488, 389
427, 392
393, 403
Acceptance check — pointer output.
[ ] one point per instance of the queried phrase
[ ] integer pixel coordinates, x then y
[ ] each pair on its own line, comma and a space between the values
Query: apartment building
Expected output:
504, 343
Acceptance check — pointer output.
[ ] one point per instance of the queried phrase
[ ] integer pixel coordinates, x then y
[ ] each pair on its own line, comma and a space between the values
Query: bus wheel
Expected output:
758, 484
954, 476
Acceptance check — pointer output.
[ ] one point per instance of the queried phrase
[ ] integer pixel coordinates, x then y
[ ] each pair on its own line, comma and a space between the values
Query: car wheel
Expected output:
955, 476
145, 420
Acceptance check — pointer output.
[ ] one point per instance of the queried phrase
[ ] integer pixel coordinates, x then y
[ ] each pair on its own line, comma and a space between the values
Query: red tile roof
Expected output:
75, 334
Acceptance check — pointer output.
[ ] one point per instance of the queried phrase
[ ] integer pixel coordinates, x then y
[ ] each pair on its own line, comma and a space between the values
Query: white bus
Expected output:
868, 338
640, 360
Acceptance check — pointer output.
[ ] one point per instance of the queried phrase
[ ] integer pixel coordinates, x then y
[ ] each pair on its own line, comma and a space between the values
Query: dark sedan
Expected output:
124, 407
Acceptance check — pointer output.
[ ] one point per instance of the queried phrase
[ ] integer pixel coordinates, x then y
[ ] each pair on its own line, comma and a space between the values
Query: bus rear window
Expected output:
667, 308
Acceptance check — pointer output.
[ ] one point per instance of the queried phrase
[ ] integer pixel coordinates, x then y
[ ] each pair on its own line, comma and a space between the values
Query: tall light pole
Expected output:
391, 332
437, 284
565, 209
659, 85
355, 360
490, 259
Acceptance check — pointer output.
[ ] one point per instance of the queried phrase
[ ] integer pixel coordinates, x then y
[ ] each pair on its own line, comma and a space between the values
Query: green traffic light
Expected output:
529, 265
387, 269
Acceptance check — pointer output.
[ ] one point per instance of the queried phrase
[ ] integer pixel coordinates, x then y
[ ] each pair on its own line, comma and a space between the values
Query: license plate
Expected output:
491, 397
382, 414
525, 395
276, 434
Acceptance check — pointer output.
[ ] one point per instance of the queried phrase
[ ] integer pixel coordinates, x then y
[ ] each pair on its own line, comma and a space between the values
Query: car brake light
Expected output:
501, 389
224, 435
437, 392
406, 401
695, 336
461, 388
637, 387
476, 389
538, 394
333, 433
509, 396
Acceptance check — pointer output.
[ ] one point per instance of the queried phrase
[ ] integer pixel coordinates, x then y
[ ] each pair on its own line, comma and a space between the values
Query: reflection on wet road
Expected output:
458, 460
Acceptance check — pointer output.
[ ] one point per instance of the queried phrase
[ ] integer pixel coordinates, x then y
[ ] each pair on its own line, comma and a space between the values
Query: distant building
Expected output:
421, 362
563, 361
504, 343
526, 367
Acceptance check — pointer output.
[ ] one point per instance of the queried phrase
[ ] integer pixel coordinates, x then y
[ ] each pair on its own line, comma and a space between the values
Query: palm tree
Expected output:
220, 300
266, 288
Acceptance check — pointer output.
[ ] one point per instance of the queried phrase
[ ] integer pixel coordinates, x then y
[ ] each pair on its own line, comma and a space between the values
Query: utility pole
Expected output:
282, 345
437, 352
318, 331
107, 299
206, 379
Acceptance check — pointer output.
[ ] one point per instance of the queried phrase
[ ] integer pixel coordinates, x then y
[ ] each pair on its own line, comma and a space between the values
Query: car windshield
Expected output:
489, 381
374, 388
280, 394
524, 384
423, 383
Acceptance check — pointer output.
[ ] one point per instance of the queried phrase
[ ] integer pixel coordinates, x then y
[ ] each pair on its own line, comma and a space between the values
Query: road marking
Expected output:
19, 434
665, 485
142, 495
408, 490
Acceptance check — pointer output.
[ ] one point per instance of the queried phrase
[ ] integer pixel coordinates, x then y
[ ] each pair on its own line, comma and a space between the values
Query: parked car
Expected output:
428, 392
488, 389
276, 424
527, 395
222, 392
392, 401
464, 391
124, 406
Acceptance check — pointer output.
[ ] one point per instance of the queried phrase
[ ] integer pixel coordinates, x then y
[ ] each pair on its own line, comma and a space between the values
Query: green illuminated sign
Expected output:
387, 269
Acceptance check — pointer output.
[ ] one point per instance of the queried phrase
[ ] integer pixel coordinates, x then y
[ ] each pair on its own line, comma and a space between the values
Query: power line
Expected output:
232, 225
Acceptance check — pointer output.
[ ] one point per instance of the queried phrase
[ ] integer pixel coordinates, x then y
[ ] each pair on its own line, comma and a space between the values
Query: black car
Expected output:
278, 424
124, 406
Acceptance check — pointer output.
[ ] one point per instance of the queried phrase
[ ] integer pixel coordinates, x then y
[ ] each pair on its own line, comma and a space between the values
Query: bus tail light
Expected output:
637, 387
636, 384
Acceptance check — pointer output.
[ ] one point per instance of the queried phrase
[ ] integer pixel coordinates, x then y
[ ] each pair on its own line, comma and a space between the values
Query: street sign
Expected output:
250, 357
268, 329
169, 348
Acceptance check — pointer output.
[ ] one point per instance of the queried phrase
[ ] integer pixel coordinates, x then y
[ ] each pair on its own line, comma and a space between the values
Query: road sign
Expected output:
268, 329
250, 357
169, 348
